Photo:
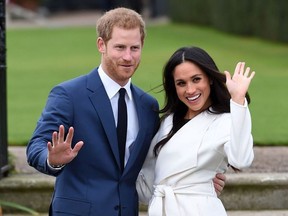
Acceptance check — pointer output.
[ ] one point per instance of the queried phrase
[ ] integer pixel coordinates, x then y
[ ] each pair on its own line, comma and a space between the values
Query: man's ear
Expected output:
101, 45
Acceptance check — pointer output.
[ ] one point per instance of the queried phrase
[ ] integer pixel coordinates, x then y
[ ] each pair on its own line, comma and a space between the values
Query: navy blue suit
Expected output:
92, 184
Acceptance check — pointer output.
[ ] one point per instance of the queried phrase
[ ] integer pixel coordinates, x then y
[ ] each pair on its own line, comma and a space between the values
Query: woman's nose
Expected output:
190, 88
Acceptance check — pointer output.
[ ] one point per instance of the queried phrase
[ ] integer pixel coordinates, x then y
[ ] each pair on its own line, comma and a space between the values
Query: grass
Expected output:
38, 59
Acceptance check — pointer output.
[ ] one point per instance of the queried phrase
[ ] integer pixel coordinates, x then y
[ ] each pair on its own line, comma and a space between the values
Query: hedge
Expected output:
265, 19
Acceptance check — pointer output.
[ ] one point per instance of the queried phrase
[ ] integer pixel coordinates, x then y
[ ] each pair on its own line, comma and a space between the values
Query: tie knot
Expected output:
122, 92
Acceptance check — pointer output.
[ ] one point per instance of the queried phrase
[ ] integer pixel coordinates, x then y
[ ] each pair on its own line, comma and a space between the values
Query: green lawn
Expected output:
40, 58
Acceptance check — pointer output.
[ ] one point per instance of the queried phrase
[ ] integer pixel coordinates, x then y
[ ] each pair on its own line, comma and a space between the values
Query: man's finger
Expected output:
61, 134
54, 139
70, 135
77, 147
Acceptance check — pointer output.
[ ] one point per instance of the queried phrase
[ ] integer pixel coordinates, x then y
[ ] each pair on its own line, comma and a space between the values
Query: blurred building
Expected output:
154, 8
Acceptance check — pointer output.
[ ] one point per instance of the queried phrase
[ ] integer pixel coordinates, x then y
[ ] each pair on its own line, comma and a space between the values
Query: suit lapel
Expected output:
102, 105
138, 143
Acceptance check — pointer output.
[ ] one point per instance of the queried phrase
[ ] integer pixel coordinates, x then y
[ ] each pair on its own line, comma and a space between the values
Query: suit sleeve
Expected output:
58, 110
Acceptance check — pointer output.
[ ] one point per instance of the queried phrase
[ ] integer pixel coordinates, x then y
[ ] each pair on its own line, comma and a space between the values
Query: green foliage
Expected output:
191, 11
38, 59
231, 16
270, 20
265, 19
19, 207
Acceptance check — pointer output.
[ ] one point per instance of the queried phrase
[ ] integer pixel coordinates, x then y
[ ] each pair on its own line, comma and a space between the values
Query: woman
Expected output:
205, 128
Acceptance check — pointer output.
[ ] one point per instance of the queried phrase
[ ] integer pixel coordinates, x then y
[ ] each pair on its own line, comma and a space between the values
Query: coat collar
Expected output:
187, 140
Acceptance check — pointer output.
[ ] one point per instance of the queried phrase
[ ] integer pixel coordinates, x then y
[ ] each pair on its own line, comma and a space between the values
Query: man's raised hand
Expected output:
60, 151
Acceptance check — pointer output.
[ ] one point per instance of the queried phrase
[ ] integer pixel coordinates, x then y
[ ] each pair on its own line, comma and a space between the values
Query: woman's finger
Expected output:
237, 68
247, 71
252, 75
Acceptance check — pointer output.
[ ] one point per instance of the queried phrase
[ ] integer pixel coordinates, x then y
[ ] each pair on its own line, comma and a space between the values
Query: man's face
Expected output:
121, 55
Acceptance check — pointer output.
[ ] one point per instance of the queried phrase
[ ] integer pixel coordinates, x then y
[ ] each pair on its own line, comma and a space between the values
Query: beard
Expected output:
118, 71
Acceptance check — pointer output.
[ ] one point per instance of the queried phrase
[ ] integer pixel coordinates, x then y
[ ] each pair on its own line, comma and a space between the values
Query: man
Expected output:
93, 181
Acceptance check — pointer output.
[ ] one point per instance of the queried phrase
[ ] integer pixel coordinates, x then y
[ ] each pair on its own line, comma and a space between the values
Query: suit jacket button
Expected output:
117, 207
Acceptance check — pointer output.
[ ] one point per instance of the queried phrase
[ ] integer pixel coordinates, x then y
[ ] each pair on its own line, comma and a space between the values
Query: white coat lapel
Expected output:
180, 152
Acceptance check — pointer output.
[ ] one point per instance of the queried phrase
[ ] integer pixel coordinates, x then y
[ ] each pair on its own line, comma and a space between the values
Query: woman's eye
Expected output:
180, 83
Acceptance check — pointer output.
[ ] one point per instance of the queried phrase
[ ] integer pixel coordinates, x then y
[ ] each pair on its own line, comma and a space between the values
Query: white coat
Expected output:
179, 181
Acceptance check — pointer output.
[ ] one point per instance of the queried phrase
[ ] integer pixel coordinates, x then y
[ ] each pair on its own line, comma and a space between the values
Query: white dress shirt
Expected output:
112, 89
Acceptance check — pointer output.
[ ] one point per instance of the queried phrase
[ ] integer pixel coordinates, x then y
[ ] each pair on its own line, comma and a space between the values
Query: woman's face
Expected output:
192, 88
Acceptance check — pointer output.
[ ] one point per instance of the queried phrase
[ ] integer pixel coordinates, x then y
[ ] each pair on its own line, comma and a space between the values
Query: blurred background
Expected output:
246, 17
42, 53
50, 41
45, 42
33, 8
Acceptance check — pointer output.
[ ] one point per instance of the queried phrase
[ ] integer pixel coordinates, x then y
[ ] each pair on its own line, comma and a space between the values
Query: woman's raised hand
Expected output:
238, 84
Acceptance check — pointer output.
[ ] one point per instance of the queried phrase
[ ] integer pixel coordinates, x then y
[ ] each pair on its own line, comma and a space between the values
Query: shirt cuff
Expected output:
57, 167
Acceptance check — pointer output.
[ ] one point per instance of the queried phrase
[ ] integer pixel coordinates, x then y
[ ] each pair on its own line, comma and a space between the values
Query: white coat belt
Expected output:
165, 194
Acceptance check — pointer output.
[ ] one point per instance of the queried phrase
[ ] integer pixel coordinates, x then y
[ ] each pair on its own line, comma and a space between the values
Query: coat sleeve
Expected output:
145, 180
146, 177
240, 147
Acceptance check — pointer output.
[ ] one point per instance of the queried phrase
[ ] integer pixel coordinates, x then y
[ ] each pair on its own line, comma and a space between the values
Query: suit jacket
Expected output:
92, 184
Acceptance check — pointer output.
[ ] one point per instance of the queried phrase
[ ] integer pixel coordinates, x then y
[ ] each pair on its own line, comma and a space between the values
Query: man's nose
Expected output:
127, 55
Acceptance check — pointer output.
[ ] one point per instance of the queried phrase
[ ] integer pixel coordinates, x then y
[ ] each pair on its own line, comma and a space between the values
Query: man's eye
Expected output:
135, 48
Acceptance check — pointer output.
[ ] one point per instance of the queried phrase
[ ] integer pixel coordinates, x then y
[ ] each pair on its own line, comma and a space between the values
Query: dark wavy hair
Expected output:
219, 95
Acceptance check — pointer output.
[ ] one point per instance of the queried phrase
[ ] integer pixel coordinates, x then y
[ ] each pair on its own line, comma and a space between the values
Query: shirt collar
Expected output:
111, 86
